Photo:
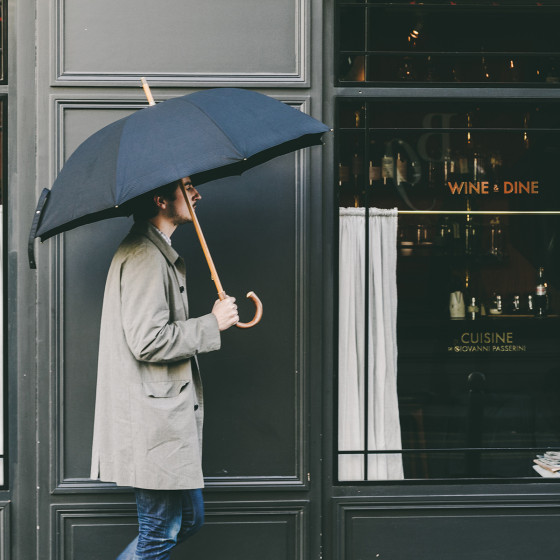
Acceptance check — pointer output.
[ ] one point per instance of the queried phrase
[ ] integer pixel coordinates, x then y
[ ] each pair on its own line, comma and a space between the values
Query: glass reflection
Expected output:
452, 42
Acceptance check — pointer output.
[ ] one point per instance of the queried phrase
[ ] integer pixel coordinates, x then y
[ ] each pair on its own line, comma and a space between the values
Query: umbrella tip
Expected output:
147, 91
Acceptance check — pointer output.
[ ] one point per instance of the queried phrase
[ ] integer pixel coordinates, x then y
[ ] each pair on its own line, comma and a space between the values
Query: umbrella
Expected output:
205, 135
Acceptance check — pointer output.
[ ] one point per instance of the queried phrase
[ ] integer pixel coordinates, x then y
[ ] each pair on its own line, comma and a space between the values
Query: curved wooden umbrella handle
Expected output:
258, 312
221, 293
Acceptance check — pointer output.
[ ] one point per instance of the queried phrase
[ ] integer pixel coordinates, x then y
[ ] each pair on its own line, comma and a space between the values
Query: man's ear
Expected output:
159, 201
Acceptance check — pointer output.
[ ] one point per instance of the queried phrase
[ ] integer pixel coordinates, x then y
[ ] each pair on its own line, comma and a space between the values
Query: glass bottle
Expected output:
387, 168
343, 174
445, 236
471, 236
401, 167
448, 166
496, 237
374, 170
473, 310
496, 304
516, 304
540, 298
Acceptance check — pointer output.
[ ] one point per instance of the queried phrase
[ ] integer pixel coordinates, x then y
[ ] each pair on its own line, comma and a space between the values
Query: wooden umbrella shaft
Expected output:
221, 294
209, 260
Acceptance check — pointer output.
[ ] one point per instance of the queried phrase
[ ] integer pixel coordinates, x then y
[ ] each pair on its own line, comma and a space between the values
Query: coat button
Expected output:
196, 407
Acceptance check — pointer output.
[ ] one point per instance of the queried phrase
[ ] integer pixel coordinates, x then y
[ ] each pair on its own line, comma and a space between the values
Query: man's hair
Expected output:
143, 207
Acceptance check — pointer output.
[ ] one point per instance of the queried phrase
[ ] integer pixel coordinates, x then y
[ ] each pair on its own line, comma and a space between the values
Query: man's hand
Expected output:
226, 313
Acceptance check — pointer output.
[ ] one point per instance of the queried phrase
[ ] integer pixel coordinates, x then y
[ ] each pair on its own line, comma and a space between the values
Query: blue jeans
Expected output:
165, 518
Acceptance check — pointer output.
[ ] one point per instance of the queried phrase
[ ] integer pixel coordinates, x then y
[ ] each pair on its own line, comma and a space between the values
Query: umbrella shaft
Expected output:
213, 272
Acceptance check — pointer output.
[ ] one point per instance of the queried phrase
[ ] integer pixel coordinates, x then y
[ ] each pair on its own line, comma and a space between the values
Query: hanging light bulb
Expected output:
414, 34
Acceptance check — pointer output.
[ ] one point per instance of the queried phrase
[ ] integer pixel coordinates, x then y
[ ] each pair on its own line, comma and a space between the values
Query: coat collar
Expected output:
149, 230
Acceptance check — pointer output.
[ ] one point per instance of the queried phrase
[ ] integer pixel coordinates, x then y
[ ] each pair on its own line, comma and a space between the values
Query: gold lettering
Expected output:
456, 188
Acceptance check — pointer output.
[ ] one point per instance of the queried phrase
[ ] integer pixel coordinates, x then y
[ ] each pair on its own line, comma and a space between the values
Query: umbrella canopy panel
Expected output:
206, 135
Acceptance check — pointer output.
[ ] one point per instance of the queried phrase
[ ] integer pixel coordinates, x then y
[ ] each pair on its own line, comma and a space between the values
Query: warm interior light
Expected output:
415, 33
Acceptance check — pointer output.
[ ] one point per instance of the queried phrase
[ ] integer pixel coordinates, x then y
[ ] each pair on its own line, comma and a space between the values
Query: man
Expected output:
148, 412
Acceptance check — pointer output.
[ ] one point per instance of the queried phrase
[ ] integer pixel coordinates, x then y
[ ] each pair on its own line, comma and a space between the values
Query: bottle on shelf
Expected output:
473, 309
449, 164
374, 171
388, 168
343, 174
472, 302
471, 236
401, 167
516, 304
478, 167
540, 297
496, 307
496, 237
444, 238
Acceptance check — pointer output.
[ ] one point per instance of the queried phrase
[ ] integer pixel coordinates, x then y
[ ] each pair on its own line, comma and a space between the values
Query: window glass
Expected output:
449, 42
477, 260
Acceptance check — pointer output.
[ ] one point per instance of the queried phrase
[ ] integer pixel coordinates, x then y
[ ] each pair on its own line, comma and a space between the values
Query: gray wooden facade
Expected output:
74, 66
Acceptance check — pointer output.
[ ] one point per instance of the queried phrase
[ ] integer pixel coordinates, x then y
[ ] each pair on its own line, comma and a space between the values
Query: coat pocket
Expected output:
164, 389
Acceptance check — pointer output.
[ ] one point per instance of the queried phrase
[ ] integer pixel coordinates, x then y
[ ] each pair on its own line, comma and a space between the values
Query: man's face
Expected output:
177, 210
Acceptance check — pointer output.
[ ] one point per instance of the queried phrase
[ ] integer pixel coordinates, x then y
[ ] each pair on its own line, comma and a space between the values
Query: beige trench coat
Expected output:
149, 406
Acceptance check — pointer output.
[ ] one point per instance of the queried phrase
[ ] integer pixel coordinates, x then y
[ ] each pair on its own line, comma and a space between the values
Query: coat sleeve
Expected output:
146, 318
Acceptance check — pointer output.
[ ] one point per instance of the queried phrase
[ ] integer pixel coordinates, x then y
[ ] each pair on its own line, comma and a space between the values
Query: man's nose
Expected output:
197, 195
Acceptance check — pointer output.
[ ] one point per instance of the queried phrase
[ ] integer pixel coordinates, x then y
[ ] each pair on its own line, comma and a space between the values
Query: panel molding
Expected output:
65, 518
60, 482
346, 511
298, 78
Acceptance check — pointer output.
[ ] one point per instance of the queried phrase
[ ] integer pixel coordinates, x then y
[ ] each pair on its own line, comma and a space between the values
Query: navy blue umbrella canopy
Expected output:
205, 135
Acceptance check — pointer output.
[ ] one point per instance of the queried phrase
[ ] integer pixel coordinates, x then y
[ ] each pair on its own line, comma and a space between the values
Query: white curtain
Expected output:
383, 426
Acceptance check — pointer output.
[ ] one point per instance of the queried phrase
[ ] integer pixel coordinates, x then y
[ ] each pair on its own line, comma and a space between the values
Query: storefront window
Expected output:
475, 391
511, 42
